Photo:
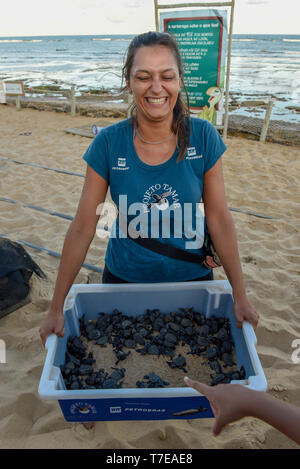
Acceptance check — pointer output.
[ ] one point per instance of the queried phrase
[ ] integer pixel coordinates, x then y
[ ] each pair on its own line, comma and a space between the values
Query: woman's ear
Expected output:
128, 86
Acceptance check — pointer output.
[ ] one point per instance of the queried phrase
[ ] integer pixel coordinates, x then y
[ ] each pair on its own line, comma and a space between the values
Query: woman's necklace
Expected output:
136, 132
153, 163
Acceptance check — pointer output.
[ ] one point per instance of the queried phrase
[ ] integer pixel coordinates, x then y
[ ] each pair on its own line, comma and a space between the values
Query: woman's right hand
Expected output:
53, 323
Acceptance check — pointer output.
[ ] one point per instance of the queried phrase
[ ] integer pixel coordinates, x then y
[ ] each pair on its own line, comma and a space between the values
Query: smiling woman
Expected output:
162, 162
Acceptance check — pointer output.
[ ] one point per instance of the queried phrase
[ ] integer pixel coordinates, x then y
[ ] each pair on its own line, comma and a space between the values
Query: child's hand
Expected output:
229, 402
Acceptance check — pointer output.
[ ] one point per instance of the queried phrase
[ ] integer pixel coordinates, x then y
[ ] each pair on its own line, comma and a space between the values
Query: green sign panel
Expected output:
201, 42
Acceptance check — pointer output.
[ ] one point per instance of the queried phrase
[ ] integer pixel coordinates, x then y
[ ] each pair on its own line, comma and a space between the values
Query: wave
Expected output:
110, 39
291, 40
244, 40
21, 40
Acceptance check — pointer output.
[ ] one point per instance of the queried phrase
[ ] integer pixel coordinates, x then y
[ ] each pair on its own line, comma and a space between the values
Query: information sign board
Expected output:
201, 36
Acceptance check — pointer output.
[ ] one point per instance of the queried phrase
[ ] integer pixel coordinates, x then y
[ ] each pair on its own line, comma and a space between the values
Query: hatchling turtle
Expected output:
121, 355
153, 381
227, 359
178, 362
219, 378
117, 374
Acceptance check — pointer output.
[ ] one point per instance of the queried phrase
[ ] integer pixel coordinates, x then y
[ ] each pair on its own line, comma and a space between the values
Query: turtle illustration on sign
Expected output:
209, 112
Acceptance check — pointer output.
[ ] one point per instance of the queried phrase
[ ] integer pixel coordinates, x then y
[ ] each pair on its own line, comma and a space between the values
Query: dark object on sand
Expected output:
153, 381
16, 268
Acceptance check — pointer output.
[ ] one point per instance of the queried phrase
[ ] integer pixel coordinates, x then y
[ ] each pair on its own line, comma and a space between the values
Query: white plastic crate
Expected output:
209, 298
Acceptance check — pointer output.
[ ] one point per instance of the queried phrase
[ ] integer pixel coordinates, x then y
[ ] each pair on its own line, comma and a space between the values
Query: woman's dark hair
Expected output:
180, 127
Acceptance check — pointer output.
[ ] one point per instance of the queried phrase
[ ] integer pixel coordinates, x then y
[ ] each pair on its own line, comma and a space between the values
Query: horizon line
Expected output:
135, 34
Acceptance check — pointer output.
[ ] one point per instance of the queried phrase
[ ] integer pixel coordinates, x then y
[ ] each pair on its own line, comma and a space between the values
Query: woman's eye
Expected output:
143, 78
168, 78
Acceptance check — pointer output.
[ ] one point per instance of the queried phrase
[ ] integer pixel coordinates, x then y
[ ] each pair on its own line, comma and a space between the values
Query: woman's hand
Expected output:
245, 311
52, 324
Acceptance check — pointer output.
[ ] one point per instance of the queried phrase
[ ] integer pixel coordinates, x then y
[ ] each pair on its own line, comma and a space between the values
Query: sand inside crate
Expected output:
137, 365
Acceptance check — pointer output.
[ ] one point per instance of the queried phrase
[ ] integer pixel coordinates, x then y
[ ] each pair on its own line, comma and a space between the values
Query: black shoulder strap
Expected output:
167, 249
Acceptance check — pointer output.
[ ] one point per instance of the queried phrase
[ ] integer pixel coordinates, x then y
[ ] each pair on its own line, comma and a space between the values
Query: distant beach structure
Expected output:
262, 66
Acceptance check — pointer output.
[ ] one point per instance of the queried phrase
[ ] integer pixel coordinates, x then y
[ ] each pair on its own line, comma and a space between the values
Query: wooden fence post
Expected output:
264, 130
73, 103
18, 103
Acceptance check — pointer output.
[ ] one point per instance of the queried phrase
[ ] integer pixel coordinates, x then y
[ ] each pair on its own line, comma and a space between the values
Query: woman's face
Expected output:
155, 83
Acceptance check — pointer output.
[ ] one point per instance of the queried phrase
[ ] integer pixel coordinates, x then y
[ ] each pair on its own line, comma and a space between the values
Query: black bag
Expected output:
16, 269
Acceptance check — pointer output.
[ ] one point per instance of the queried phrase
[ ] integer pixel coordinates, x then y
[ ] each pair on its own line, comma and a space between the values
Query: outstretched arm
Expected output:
231, 402
221, 227
77, 241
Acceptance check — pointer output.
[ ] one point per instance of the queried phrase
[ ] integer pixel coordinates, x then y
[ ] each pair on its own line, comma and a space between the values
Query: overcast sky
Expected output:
72, 17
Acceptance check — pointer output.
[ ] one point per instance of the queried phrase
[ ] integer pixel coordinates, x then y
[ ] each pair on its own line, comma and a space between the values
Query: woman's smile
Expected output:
156, 100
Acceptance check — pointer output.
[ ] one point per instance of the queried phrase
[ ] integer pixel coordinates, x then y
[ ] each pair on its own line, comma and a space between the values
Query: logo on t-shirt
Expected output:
191, 151
192, 154
121, 164
160, 201
160, 196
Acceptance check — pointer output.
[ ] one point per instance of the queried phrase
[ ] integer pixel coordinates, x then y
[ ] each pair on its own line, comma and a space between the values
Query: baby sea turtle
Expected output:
204, 330
196, 349
219, 378
117, 374
222, 334
226, 346
227, 359
102, 341
110, 384
129, 343
121, 355
85, 369
212, 352
139, 339
215, 366
153, 381
202, 341
178, 362
76, 348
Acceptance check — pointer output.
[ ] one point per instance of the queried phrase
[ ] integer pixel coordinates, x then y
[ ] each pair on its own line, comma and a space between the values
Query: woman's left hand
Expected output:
245, 311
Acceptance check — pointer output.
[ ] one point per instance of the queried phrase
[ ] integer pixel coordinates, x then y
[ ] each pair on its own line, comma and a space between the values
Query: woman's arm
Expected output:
221, 227
77, 241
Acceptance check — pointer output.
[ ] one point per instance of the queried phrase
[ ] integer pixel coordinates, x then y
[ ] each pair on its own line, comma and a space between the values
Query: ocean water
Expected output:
261, 66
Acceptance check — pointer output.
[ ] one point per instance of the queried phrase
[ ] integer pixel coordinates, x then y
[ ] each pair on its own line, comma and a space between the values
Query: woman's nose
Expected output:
156, 85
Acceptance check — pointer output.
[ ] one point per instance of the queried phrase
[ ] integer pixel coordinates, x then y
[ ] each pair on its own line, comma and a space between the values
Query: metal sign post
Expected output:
209, 51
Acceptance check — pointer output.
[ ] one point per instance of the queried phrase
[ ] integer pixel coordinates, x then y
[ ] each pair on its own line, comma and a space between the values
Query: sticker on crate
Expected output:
82, 408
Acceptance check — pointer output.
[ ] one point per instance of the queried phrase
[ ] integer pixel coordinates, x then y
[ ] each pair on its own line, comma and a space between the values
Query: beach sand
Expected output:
263, 178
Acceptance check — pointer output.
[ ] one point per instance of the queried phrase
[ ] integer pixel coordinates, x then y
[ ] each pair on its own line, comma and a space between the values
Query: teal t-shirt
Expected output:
160, 201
